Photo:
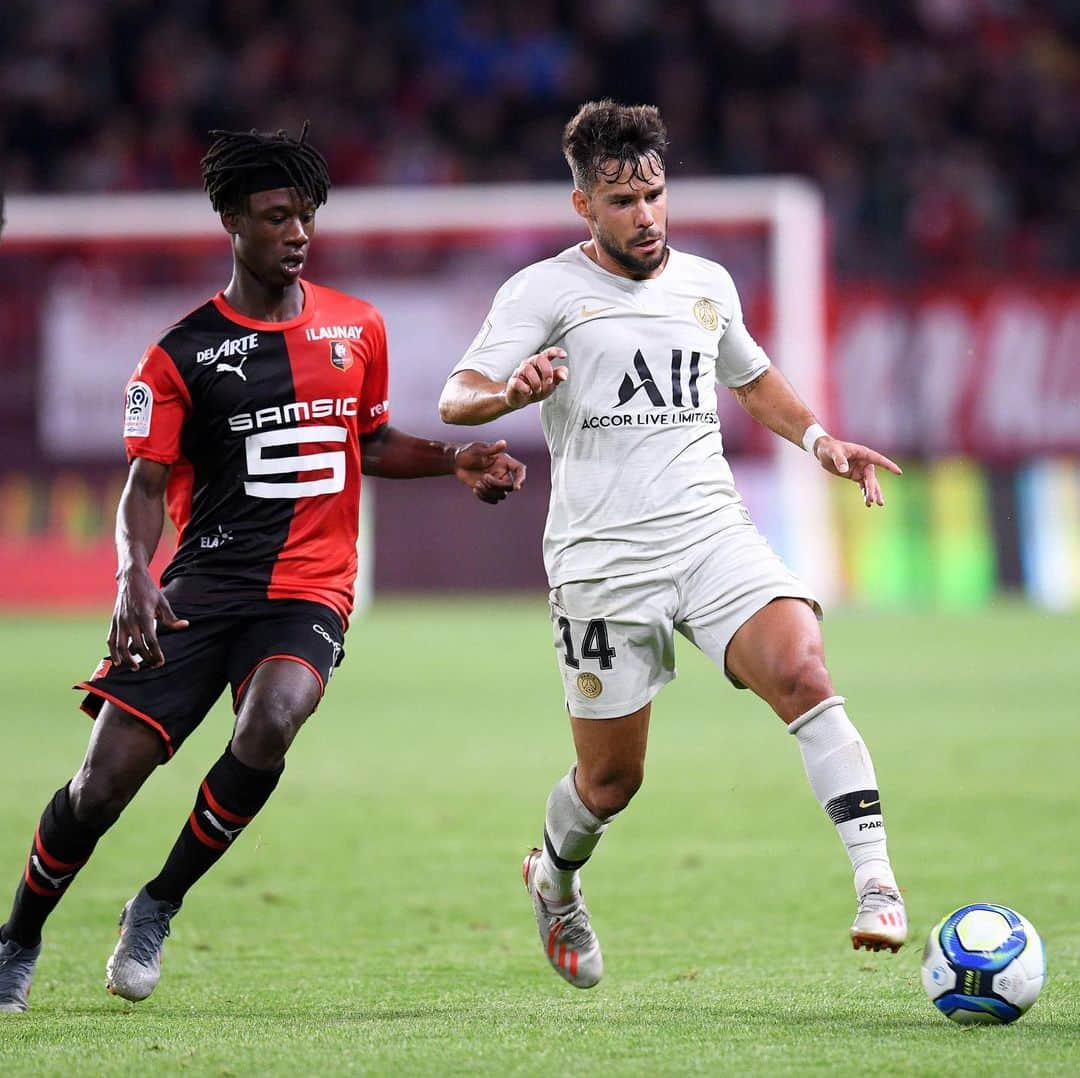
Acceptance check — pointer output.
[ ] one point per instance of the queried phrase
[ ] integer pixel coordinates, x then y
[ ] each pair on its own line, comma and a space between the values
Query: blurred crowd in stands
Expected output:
943, 132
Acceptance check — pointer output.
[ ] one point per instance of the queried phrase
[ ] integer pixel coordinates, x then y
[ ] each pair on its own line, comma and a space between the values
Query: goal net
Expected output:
97, 277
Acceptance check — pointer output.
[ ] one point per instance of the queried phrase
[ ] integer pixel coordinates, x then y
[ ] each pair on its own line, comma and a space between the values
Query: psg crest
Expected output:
341, 355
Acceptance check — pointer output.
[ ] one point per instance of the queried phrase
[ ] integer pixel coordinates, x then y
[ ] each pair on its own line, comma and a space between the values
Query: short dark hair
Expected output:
241, 162
604, 138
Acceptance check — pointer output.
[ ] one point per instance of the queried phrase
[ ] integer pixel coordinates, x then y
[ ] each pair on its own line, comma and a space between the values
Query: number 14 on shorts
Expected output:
594, 644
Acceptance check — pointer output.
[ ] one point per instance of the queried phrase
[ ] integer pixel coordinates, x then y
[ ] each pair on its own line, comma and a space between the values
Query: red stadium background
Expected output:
942, 135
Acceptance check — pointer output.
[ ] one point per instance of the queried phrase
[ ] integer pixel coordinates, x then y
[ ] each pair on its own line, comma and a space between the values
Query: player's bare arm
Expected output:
140, 605
773, 402
470, 398
484, 467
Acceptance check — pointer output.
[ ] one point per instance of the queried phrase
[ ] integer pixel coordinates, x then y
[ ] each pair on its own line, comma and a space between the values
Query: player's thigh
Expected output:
285, 636
122, 753
611, 749
174, 698
614, 643
122, 744
276, 704
737, 578
779, 654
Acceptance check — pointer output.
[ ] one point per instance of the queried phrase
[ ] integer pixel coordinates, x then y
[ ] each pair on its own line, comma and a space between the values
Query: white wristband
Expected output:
811, 435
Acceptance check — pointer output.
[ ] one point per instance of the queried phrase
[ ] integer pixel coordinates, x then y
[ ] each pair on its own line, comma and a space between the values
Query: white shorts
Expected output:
615, 638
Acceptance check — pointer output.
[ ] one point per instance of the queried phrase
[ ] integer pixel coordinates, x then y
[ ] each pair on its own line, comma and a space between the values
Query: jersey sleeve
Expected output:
739, 358
156, 407
373, 409
518, 325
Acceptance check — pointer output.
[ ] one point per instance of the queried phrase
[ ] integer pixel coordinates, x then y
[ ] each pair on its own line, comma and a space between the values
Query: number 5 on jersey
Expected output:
594, 644
280, 467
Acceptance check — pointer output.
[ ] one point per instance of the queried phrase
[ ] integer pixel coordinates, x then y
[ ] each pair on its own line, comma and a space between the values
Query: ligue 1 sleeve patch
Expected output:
137, 410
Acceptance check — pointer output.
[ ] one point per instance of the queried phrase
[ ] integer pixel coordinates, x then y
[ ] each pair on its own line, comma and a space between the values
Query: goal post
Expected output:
519, 223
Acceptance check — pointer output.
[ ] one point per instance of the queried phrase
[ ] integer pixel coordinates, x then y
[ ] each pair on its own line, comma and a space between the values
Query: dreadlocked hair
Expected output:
605, 138
235, 155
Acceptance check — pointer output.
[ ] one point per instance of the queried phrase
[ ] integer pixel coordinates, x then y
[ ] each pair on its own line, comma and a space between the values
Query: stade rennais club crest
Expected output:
341, 355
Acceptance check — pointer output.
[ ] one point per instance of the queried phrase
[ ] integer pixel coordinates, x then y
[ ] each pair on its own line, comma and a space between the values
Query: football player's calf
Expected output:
842, 777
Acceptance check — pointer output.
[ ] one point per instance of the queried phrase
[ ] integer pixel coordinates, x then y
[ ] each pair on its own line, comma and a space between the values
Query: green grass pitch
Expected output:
373, 920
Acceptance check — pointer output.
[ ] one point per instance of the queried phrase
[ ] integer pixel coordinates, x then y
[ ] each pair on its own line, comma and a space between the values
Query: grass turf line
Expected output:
372, 919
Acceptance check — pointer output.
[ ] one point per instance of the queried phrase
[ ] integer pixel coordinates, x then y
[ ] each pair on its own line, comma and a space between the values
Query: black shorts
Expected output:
224, 644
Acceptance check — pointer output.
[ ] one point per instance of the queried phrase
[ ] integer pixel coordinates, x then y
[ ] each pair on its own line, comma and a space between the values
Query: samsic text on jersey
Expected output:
261, 425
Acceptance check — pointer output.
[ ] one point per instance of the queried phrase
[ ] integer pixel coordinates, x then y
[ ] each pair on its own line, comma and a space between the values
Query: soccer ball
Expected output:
983, 963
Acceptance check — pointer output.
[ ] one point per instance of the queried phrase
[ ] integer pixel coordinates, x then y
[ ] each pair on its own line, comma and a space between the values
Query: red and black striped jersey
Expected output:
261, 423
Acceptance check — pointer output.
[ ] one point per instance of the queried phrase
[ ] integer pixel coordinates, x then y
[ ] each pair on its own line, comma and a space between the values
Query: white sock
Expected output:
842, 777
571, 833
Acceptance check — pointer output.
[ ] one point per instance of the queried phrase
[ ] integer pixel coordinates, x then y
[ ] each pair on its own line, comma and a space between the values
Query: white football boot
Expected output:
880, 920
569, 942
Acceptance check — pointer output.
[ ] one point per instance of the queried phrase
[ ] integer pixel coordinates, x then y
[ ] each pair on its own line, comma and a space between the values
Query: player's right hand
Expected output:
140, 608
535, 379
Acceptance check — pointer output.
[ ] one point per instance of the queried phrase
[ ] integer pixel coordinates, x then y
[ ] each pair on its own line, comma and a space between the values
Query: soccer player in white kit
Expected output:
623, 342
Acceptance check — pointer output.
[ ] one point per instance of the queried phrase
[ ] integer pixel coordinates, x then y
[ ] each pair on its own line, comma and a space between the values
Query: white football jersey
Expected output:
638, 474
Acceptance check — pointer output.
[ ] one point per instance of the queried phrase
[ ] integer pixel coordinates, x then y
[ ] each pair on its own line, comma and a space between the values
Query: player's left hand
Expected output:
488, 470
849, 460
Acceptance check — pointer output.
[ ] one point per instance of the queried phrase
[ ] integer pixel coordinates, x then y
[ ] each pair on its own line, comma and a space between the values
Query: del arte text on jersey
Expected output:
299, 411
240, 346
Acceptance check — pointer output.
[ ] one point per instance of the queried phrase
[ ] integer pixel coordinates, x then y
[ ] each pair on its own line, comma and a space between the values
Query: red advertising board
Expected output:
991, 371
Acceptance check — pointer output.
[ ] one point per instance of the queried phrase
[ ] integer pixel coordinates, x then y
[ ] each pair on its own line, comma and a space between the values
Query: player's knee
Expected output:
99, 795
609, 792
804, 682
266, 729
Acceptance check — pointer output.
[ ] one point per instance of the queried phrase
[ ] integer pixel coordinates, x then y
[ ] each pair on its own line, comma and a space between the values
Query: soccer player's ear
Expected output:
580, 201
230, 221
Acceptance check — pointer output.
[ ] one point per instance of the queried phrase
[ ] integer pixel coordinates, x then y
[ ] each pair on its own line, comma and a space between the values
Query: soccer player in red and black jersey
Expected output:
253, 419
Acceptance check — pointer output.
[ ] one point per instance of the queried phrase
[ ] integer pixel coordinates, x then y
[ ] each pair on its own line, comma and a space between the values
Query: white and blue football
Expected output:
983, 963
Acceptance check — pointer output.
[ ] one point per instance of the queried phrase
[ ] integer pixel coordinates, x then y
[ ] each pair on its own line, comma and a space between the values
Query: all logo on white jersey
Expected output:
659, 412
138, 408
645, 381
330, 333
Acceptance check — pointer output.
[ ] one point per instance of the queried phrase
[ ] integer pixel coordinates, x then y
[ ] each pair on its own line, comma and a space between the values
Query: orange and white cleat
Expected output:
569, 942
880, 921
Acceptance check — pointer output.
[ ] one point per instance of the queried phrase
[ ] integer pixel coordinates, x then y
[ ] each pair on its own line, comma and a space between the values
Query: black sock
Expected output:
228, 799
61, 846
